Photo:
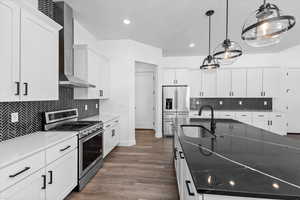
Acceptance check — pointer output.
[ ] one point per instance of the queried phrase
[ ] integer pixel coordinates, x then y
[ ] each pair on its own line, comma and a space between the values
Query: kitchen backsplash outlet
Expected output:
30, 113
252, 104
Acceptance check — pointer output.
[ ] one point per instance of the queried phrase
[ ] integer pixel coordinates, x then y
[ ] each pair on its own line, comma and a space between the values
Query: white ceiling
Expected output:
173, 24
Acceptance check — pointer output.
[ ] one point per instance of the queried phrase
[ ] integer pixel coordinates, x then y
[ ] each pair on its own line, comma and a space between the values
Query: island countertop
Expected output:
240, 160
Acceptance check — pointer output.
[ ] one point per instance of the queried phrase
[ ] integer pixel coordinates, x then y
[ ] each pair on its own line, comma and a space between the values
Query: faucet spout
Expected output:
212, 119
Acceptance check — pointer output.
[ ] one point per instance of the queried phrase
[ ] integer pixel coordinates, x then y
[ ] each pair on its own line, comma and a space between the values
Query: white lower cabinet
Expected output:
62, 176
34, 178
111, 136
31, 188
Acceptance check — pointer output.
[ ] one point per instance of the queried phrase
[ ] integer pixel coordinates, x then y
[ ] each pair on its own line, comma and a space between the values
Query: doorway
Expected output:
145, 96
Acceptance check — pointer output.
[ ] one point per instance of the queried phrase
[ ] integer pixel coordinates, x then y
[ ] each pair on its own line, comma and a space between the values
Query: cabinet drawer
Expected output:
108, 125
61, 149
21, 169
115, 121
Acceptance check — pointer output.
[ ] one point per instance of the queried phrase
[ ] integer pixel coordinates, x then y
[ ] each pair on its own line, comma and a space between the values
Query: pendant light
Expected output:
266, 25
228, 51
209, 62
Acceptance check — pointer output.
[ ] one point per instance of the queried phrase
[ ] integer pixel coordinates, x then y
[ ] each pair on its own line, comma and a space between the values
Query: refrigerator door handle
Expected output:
176, 99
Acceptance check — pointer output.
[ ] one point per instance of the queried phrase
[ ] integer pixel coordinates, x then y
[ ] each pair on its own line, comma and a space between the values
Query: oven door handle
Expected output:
86, 138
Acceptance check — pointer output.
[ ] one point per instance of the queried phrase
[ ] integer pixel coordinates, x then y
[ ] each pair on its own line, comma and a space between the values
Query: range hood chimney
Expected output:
63, 15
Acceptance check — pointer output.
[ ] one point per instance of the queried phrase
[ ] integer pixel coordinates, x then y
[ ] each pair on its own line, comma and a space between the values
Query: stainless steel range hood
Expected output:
63, 14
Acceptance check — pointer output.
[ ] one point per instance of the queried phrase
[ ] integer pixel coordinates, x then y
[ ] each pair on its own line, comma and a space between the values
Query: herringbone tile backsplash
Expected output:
31, 113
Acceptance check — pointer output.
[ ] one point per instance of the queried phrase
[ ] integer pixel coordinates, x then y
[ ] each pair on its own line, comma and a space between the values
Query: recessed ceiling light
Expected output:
126, 21
192, 45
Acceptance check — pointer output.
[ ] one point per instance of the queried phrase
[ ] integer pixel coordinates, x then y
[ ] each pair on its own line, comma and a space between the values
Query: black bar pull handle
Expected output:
51, 177
20, 172
18, 88
26, 89
175, 153
187, 183
181, 155
65, 148
44, 182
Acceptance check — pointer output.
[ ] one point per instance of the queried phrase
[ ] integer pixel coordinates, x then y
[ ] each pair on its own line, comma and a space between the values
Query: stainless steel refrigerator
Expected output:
176, 103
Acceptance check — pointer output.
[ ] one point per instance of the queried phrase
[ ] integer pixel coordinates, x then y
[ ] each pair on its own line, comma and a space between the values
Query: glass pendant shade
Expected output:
227, 52
209, 62
265, 26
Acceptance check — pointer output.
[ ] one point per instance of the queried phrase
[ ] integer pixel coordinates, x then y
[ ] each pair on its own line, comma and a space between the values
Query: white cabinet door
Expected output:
104, 85
189, 190
224, 83
169, 77
254, 82
182, 77
9, 51
239, 82
271, 82
31, 188
261, 120
209, 84
278, 124
244, 117
62, 176
195, 83
39, 59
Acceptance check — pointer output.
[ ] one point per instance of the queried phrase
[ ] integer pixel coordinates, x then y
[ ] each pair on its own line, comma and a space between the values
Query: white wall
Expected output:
123, 54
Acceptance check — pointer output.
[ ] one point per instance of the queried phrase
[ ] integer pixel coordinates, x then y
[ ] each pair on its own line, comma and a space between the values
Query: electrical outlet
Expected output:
221, 102
85, 107
265, 103
197, 102
240, 103
96, 105
14, 117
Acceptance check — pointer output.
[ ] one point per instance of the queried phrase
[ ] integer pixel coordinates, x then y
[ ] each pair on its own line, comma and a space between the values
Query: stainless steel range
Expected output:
90, 141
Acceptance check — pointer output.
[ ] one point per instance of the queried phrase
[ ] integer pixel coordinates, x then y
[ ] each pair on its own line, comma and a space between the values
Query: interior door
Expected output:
39, 59
9, 51
254, 82
144, 100
239, 80
292, 100
224, 83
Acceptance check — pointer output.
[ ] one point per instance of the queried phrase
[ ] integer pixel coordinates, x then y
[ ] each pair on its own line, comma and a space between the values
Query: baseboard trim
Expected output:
127, 143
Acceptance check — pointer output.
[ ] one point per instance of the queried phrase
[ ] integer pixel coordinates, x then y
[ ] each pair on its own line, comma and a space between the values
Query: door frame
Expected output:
146, 68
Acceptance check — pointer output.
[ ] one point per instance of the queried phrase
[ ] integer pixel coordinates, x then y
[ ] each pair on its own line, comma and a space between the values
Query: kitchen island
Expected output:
238, 162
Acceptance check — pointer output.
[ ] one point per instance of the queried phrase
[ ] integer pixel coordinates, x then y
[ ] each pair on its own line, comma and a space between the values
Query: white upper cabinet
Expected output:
182, 76
9, 53
224, 83
29, 54
209, 84
238, 83
263, 82
254, 82
195, 83
39, 59
93, 68
271, 82
169, 77
104, 86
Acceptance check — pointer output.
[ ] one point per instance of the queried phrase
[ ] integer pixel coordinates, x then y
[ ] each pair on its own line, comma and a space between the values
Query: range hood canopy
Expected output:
63, 14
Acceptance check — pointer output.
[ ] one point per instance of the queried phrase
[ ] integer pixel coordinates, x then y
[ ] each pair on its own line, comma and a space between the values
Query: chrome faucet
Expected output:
212, 119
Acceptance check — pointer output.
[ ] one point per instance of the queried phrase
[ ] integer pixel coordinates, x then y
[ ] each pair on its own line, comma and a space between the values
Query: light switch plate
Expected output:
85, 107
14, 117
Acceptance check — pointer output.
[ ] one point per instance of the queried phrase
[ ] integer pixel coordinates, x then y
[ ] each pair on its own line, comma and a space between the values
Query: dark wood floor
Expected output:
141, 172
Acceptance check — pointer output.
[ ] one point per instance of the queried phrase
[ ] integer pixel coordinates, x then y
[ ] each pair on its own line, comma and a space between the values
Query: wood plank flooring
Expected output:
141, 172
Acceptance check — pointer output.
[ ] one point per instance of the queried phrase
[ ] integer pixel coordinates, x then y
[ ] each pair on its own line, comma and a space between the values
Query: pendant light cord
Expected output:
226, 19
209, 33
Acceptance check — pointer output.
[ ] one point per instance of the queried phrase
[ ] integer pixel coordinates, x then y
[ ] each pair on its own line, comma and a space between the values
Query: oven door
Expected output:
90, 152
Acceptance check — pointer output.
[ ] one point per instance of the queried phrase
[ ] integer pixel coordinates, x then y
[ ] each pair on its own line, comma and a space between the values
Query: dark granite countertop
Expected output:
241, 160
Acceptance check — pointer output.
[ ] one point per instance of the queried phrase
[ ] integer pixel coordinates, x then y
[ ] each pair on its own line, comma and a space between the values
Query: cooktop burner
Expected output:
74, 126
